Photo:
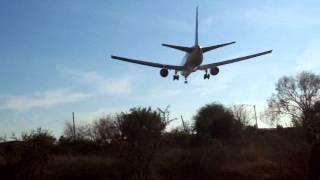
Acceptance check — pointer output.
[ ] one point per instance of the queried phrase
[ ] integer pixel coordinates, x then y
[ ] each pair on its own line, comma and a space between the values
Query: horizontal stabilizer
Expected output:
209, 48
181, 48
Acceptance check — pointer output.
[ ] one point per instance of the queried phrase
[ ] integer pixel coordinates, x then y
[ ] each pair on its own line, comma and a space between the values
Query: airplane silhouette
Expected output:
192, 60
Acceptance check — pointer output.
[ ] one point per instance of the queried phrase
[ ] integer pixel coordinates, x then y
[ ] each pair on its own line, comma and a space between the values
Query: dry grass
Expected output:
255, 156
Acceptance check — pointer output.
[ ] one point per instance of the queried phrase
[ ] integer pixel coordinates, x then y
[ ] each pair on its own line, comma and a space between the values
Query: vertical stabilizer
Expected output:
196, 40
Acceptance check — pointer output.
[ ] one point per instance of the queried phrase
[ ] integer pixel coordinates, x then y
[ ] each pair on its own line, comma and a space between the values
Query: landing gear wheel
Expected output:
175, 77
206, 76
185, 80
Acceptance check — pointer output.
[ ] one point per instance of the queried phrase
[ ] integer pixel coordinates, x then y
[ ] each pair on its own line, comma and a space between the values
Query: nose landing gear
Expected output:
185, 80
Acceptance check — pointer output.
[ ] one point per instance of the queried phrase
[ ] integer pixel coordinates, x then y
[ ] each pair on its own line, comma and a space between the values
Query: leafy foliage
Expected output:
141, 128
216, 121
141, 124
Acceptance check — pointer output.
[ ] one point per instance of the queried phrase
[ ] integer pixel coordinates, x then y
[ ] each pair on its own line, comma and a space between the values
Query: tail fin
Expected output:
196, 40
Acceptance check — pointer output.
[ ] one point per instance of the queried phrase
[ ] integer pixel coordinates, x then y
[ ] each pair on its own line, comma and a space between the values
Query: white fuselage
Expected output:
192, 61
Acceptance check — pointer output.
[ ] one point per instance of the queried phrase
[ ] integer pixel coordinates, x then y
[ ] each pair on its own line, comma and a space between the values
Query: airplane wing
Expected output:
208, 66
146, 63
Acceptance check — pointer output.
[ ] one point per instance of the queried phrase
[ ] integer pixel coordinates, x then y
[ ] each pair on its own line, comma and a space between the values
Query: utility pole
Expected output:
184, 125
73, 127
255, 115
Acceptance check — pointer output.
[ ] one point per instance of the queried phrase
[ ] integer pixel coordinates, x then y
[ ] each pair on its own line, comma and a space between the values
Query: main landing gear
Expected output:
206, 75
176, 76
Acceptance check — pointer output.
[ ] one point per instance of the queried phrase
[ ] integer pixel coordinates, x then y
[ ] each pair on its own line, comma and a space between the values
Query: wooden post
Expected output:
255, 115
74, 126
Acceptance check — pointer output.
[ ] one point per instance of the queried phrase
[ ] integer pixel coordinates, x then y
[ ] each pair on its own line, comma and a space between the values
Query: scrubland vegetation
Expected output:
218, 144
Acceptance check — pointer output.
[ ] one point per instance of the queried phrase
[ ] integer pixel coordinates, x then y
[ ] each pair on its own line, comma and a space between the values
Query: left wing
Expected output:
208, 66
146, 63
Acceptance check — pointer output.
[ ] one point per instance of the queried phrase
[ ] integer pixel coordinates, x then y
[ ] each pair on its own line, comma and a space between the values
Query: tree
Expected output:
141, 128
312, 122
141, 124
83, 132
106, 129
294, 96
241, 113
216, 121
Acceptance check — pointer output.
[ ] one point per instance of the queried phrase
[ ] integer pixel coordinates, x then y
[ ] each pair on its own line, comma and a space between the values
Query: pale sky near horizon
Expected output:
55, 56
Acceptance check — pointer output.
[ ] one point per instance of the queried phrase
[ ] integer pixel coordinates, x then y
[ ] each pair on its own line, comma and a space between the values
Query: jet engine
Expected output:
164, 72
214, 71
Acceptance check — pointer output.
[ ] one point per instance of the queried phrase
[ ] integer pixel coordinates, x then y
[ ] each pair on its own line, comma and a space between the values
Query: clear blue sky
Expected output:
54, 55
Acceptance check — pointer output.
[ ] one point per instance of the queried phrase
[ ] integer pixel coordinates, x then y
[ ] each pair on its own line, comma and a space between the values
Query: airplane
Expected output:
192, 60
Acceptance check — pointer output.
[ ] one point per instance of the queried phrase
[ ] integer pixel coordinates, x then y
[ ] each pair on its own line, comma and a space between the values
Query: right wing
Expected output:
208, 66
146, 63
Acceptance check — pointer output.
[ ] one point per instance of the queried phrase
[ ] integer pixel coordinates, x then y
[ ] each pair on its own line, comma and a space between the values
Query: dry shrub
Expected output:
84, 167
191, 163
27, 159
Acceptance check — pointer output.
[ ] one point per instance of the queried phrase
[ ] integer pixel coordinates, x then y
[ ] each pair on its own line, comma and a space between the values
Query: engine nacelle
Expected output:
164, 72
214, 71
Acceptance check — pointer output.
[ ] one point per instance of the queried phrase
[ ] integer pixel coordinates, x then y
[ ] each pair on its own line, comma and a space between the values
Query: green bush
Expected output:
216, 121
141, 130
